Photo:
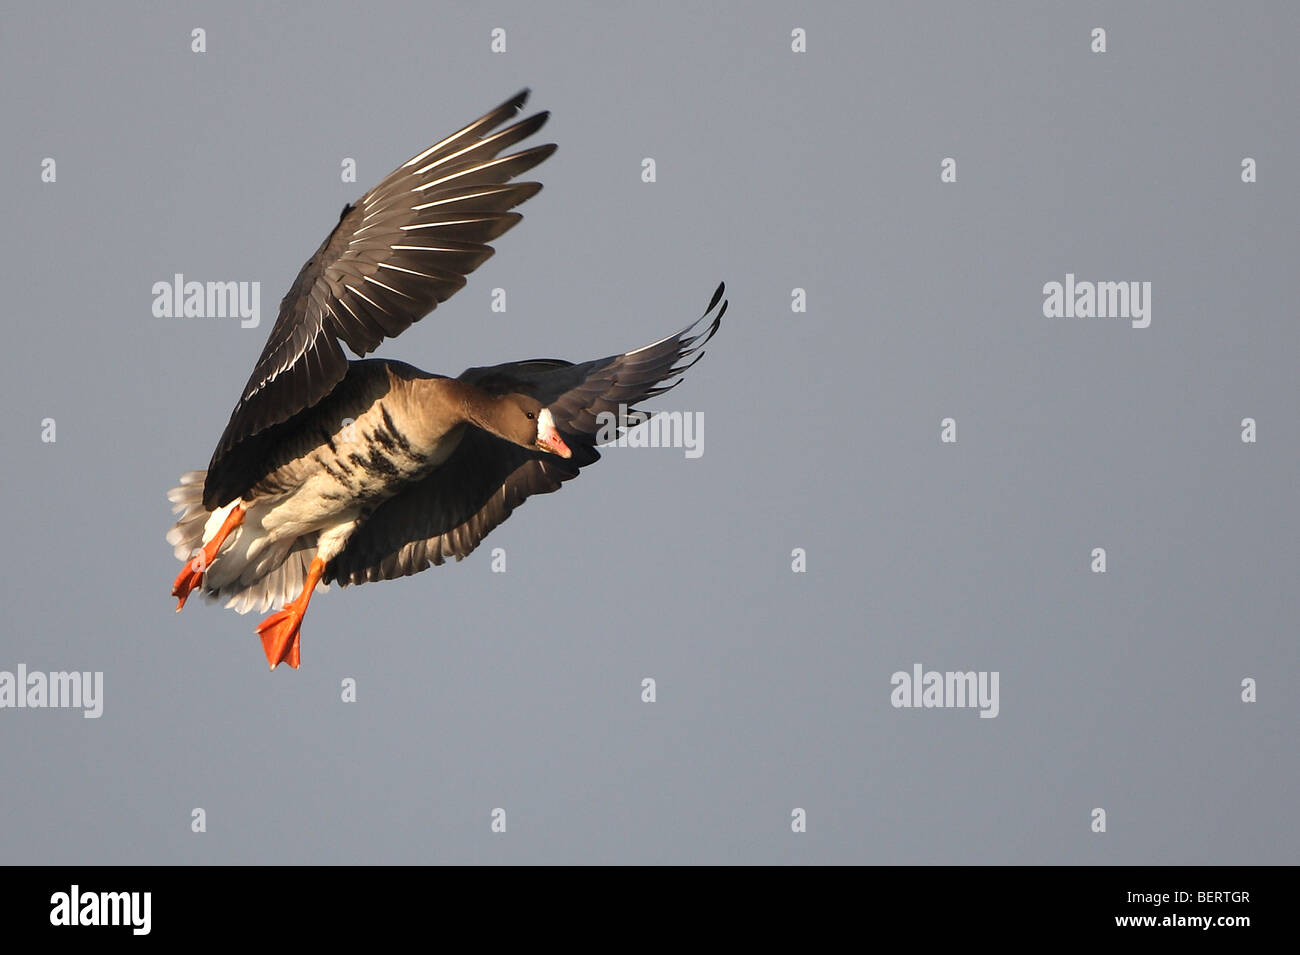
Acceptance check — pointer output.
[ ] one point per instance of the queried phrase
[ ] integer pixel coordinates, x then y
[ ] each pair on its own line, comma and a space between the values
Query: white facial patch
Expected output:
545, 424
548, 439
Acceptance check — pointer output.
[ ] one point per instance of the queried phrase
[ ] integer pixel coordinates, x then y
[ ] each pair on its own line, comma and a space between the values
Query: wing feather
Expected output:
403, 248
449, 512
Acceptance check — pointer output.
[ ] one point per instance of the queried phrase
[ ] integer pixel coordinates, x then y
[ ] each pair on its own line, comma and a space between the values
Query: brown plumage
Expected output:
332, 470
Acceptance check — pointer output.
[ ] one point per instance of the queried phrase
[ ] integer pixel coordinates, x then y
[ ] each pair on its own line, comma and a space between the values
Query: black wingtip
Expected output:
534, 123
527, 127
722, 287
698, 343
718, 320
519, 99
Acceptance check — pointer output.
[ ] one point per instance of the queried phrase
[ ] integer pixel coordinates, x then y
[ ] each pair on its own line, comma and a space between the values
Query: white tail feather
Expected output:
245, 573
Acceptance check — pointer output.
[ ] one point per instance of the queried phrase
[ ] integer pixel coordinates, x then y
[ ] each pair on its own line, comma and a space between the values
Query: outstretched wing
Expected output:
449, 512
405, 246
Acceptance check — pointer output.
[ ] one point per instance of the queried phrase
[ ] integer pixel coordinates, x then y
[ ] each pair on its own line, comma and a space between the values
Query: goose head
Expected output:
522, 420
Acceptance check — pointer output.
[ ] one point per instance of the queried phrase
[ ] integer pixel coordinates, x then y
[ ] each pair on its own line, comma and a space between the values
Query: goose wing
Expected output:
402, 248
450, 511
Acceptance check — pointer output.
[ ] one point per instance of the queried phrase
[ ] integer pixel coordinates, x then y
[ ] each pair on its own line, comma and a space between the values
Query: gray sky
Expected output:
775, 170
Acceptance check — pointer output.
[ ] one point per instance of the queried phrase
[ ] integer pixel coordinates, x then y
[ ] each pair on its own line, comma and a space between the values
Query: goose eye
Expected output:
531, 416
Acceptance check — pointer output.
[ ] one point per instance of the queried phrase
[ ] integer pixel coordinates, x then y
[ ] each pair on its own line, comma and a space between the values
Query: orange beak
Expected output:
548, 439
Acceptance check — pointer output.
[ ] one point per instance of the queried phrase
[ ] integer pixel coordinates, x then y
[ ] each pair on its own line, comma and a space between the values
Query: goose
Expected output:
333, 470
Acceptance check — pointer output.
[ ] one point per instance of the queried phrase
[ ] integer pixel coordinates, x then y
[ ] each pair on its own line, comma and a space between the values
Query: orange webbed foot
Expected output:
192, 576
280, 634
280, 631
187, 581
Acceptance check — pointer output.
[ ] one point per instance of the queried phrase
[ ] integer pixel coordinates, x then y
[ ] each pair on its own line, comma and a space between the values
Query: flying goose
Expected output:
340, 471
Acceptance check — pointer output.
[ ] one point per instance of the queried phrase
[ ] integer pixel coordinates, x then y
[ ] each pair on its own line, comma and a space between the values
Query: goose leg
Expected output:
192, 575
279, 632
